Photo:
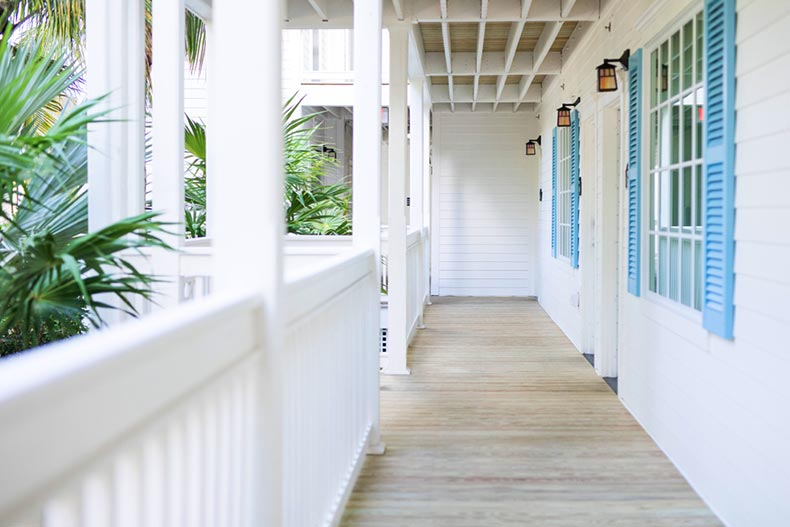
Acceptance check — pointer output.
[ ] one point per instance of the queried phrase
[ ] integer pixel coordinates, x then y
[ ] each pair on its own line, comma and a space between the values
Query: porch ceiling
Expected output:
497, 52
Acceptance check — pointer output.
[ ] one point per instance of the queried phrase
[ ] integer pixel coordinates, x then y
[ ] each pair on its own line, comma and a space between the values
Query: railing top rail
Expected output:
109, 383
313, 286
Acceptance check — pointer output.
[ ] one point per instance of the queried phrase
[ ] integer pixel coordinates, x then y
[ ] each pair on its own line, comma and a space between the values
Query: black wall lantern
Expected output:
531, 146
607, 72
564, 113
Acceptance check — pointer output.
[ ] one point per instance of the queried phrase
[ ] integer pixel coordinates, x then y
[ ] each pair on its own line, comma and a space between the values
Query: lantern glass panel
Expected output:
607, 79
563, 117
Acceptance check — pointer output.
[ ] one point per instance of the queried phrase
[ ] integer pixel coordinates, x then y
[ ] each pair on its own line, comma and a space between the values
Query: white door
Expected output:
485, 205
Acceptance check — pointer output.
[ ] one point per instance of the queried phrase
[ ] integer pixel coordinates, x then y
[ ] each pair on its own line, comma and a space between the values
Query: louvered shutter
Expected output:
574, 189
554, 193
719, 173
634, 171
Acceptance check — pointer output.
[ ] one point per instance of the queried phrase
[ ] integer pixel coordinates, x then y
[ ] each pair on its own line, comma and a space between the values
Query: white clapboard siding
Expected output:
485, 202
717, 408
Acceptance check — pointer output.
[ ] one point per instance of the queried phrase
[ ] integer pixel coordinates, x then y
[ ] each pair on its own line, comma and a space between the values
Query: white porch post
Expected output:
116, 69
366, 183
398, 169
167, 83
416, 145
416, 175
426, 193
244, 114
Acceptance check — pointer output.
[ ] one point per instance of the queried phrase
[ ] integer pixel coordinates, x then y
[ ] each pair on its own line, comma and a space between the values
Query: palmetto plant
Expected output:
310, 206
55, 277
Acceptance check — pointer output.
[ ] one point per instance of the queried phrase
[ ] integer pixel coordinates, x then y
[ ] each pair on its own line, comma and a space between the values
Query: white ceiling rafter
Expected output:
481, 35
321, 8
492, 63
464, 94
516, 28
567, 7
542, 49
447, 50
397, 5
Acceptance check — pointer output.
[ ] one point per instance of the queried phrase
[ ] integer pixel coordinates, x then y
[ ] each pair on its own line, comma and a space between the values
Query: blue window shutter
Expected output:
718, 208
554, 193
575, 189
634, 171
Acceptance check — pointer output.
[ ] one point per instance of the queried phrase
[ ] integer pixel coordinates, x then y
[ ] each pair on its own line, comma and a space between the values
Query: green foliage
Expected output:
310, 206
55, 277
195, 183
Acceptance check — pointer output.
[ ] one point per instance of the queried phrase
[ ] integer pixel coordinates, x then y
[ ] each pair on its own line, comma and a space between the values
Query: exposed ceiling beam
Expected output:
334, 113
516, 28
464, 93
397, 5
481, 35
525, 5
321, 8
416, 34
567, 6
542, 48
492, 63
447, 50
483, 107
504, 11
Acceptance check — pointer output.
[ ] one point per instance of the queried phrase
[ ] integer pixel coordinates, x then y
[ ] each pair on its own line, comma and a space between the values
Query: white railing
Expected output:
414, 282
332, 384
158, 422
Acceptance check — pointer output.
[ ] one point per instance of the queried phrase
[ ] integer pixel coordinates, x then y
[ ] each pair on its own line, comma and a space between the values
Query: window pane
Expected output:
654, 140
688, 127
652, 252
685, 272
700, 48
688, 54
698, 274
699, 99
674, 260
686, 192
674, 203
675, 139
653, 221
654, 76
663, 262
674, 69
664, 84
663, 201
698, 200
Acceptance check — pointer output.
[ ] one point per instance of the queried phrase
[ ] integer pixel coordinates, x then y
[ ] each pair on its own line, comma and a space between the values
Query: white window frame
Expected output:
564, 193
694, 233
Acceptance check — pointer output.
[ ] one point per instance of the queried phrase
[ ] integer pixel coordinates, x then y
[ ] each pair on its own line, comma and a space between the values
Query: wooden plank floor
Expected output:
503, 422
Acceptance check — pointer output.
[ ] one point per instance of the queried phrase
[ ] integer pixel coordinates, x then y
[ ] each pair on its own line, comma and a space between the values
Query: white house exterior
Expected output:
652, 231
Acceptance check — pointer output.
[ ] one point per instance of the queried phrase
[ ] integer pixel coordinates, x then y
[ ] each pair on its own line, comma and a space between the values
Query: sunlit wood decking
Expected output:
503, 422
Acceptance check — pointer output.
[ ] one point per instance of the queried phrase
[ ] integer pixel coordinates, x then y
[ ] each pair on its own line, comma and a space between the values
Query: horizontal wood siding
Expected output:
484, 205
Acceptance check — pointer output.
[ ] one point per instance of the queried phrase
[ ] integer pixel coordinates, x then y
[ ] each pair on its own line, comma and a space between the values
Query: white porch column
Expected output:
115, 60
398, 170
167, 134
115, 57
366, 183
416, 153
416, 174
426, 193
244, 114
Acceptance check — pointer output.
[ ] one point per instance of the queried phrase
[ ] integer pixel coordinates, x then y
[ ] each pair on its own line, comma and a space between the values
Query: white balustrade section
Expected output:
153, 422
331, 399
415, 293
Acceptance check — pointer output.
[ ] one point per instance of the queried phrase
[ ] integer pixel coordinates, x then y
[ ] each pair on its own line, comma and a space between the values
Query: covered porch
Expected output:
428, 368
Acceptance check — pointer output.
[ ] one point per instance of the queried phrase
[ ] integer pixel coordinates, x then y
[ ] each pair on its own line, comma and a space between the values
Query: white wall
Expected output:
485, 202
717, 408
